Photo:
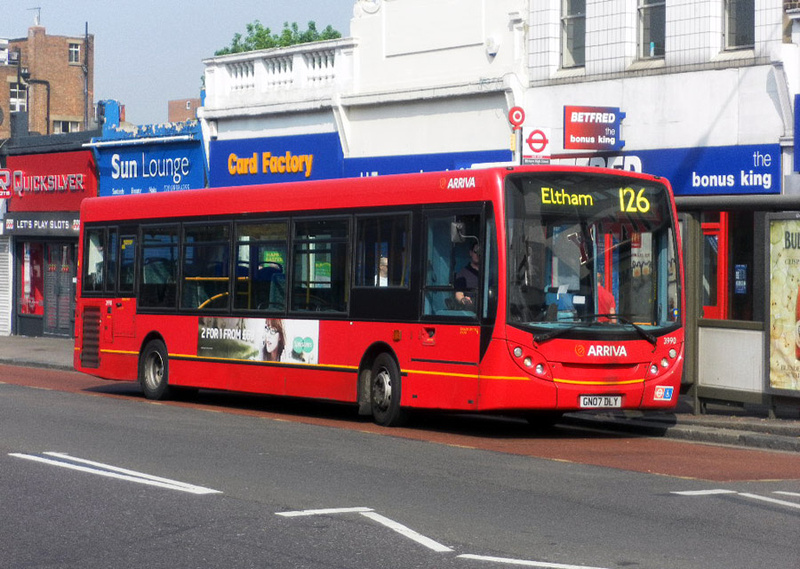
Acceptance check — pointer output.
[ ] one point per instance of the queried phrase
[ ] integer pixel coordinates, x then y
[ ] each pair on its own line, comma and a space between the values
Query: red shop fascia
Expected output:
45, 192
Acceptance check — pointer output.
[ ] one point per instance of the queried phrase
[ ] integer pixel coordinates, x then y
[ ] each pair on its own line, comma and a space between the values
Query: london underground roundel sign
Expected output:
516, 116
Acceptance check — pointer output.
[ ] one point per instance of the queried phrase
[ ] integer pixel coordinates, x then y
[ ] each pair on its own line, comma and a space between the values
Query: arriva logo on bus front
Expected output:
601, 351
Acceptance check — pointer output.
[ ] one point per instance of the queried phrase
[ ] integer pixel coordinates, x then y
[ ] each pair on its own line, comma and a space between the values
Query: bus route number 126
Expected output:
631, 201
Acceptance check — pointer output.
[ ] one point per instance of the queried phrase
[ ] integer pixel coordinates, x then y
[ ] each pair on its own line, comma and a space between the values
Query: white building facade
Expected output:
699, 91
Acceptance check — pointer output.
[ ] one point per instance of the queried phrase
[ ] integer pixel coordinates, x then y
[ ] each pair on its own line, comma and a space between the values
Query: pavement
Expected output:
737, 425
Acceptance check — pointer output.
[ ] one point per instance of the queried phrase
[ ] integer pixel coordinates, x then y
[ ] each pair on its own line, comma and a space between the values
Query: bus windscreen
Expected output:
591, 251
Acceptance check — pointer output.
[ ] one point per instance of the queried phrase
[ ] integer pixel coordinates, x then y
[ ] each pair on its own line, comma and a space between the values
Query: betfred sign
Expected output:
593, 128
48, 182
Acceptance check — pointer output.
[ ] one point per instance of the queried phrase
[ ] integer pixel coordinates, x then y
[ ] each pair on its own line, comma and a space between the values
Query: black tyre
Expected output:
154, 370
385, 389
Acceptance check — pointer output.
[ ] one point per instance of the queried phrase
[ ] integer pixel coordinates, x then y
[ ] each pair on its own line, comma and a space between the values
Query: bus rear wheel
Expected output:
385, 388
154, 370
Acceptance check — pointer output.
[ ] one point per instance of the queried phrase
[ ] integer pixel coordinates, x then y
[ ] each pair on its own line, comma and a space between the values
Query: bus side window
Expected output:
158, 286
382, 251
94, 259
127, 263
261, 266
444, 260
321, 265
206, 254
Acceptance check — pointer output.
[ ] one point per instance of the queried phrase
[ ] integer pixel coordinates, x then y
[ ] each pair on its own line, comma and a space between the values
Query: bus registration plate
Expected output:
601, 401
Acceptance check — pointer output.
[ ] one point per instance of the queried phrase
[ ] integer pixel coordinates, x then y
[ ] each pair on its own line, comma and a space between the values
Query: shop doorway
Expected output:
46, 275
59, 296
715, 265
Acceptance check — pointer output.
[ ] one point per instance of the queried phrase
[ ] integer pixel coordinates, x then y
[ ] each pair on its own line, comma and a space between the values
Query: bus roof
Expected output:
339, 193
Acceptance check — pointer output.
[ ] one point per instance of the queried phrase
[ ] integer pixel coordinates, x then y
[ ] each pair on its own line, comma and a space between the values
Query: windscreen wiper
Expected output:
639, 330
544, 337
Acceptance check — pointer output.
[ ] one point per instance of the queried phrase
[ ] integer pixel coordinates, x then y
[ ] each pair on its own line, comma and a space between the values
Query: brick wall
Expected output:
47, 59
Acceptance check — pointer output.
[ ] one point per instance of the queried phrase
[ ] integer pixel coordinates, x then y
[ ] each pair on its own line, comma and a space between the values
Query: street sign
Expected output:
537, 147
516, 116
537, 141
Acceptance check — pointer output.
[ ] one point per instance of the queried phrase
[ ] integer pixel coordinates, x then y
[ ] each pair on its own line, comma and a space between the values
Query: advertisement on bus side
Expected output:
259, 339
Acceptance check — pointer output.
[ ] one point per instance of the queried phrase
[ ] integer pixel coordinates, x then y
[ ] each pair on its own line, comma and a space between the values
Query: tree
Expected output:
259, 37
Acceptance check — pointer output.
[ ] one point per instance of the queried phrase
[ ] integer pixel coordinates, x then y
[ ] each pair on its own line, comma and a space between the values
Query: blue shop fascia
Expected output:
147, 158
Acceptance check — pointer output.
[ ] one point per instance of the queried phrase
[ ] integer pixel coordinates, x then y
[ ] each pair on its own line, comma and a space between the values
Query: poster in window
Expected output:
784, 305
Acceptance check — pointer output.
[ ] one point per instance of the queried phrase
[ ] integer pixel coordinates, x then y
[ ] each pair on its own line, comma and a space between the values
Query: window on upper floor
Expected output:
573, 33
652, 28
74, 53
62, 127
18, 97
739, 24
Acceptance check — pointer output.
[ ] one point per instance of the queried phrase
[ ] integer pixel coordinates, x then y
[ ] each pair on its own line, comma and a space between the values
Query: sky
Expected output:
148, 52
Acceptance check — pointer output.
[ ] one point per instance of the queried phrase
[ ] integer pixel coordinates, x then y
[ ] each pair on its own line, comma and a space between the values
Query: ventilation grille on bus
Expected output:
90, 353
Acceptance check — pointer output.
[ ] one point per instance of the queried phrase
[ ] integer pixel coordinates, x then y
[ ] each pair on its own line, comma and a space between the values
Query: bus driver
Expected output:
467, 279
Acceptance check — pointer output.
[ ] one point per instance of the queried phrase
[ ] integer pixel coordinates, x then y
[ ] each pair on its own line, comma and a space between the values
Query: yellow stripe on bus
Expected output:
470, 375
578, 382
335, 366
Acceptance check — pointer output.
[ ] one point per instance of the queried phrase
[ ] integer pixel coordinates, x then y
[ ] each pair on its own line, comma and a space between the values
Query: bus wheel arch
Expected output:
154, 368
380, 386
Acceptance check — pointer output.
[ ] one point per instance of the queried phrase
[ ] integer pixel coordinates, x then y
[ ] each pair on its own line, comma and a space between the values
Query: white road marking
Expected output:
408, 532
370, 513
770, 500
325, 512
66, 461
793, 494
524, 563
704, 492
744, 495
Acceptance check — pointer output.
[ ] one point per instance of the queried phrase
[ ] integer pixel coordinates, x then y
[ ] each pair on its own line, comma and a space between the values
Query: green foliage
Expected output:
259, 37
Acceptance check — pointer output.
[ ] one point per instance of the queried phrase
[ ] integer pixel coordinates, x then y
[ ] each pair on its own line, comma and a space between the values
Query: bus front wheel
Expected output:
154, 370
385, 388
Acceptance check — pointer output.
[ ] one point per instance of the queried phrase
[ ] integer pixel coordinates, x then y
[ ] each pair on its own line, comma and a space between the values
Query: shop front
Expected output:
269, 160
43, 223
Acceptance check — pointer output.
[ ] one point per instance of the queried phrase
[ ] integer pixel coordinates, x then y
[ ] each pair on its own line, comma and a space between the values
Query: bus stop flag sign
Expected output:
536, 149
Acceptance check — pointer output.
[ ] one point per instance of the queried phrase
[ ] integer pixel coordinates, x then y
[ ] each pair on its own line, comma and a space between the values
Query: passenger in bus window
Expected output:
274, 341
467, 279
606, 305
383, 272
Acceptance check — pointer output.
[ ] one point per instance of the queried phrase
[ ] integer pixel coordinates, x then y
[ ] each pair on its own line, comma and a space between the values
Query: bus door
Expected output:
448, 339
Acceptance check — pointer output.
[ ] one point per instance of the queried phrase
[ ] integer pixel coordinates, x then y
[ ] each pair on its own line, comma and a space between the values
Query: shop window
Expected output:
728, 262
739, 24
652, 28
32, 281
573, 33
382, 251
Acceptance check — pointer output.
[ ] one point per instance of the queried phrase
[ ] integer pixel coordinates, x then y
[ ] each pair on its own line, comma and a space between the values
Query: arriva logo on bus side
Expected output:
601, 351
458, 183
